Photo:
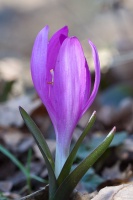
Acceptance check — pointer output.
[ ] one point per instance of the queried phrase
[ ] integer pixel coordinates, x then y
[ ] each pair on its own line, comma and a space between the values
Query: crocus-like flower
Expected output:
62, 79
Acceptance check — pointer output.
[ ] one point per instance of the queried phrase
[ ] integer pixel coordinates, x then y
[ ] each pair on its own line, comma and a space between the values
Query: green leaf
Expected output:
67, 166
37, 134
43, 148
119, 138
28, 169
20, 165
37, 178
14, 160
68, 185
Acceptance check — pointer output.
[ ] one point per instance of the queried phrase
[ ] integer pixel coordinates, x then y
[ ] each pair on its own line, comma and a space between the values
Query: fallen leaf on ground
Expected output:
5, 186
120, 192
9, 111
114, 172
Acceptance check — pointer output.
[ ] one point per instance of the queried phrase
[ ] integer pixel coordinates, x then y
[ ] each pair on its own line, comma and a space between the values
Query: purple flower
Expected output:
62, 79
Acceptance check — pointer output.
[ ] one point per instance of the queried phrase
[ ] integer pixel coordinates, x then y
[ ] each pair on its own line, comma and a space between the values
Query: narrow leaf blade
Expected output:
67, 166
68, 185
14, 160
40, 141
20, 165
37, 178
37, 134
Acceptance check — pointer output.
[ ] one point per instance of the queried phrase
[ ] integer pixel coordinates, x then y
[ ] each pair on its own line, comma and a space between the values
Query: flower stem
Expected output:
61, 155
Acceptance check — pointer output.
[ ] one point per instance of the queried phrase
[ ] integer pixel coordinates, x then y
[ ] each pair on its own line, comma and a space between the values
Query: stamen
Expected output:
52, 73
50, 83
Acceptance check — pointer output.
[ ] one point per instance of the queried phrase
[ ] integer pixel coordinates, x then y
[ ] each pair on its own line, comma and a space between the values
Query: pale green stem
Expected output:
61, 155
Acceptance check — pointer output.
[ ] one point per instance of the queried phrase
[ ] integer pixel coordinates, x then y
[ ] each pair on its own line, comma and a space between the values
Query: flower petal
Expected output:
62, 79
70, 82
97, 77
69, 87
53, 49
39, 59
87, 86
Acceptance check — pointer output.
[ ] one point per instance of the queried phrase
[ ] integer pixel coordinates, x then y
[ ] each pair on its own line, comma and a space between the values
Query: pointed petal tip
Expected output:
42, 34
64, 30
73, 40
97, 75
92, 45
65, 27
90, 42
44, 29
70, 38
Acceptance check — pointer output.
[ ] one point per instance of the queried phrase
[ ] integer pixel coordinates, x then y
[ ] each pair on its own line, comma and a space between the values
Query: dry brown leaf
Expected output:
9, 111
121, 192
114, 172
43, 194
16, 140
12, 137
79, 196
82, 196
5, 186
125, 151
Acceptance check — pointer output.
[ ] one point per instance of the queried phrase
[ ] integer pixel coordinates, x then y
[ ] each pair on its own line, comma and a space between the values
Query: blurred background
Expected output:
108, 23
